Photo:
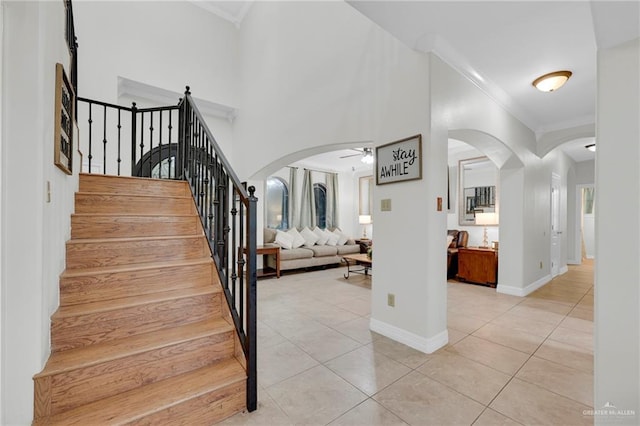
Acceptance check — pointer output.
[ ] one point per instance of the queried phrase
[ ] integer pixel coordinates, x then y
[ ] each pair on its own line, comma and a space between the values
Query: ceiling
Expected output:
502, 46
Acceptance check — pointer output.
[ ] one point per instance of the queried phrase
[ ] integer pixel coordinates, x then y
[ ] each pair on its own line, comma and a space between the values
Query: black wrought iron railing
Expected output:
72, 43
174, 142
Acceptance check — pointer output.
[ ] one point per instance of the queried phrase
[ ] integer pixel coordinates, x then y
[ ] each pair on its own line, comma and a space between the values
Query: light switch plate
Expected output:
385, 205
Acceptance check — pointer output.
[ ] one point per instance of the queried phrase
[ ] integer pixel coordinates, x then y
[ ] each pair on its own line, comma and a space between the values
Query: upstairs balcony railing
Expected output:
174, 142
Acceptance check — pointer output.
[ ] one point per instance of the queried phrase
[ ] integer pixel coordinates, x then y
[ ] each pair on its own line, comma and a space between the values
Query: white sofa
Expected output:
307, 257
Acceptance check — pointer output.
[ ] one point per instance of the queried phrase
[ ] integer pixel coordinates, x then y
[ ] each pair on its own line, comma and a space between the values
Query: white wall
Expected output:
579, 175
33, 229
167, 45
305, 86
617, 270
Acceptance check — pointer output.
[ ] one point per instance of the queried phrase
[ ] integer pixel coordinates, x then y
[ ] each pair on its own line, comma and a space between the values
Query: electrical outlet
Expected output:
391, 299
385, 205
541, 264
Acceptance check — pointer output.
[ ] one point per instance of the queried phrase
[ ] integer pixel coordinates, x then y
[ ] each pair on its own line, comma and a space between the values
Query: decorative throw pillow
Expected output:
309, 236
322, 236
284, 240
333, 239
449, 240
342, 239
298, 240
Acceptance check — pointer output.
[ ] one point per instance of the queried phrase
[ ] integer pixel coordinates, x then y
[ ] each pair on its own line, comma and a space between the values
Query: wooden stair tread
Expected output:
134, 195
127, 302
70, 273
132, 239
146, 400
72, 359
137, 215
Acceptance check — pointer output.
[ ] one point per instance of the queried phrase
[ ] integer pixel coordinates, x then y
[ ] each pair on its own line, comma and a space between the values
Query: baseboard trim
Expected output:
564, 270
517, 291
426, 345
574, 262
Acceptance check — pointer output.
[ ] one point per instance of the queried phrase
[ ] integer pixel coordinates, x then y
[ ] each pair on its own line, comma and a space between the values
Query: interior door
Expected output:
556, 232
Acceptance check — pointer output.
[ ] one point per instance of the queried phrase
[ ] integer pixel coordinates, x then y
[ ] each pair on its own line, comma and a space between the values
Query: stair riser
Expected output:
207, 409
83, 330
133, 226
112, 253
106, 286
125, 204
110, 184
75, 388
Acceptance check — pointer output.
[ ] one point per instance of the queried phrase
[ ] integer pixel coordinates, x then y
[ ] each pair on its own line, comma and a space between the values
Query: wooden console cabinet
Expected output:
477, 265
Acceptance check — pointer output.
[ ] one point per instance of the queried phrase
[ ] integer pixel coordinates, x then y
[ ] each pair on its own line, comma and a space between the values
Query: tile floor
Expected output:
509, 360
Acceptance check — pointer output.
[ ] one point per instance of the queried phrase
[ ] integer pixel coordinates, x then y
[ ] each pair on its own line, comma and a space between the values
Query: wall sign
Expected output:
64, 122
399, 161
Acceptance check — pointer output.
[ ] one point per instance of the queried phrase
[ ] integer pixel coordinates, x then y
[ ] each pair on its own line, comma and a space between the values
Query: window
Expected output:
320, 196
277, 203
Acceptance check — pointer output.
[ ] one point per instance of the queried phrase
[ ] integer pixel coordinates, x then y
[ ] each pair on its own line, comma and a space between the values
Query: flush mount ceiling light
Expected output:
367, 157
591, 147
552, 81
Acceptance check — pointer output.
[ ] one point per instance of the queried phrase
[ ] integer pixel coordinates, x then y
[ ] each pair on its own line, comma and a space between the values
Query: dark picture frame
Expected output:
399, 161
64, 122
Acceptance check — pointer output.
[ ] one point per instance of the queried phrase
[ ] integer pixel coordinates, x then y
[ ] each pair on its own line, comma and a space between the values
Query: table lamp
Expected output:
365, 220
486, 219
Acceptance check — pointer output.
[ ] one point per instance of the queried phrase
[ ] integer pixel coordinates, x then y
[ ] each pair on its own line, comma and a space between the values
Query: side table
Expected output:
364, 244
266, 251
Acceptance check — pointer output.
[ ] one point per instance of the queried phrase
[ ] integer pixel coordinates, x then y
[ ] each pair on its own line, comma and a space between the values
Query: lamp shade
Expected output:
364, 219
486, 218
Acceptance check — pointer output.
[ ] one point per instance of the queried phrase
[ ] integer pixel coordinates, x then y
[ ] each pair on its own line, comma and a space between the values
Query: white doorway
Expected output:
556, 231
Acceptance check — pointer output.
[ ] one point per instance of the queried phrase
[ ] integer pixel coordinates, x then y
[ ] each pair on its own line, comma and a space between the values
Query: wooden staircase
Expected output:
143, 334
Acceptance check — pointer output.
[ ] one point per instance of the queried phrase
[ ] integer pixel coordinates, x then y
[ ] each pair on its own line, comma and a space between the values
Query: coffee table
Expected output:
355, 260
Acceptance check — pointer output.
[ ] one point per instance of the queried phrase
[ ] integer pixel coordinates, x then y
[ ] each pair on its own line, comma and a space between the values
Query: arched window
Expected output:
320, 196
277, 203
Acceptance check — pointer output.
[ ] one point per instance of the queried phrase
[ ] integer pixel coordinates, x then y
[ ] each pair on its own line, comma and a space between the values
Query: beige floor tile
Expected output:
267, 336
291, 324
317, 396
568, 355
573, 337
357, 306
524, 324
397, 351
577, 324
536, 314
490, 354
455, 336
280, 362
368, 370
368, 413
324, 344
493, 418
556, 307
532, 405
358, 330
518, 340
569, 382
465, 323
585, 314
470, 378
329, 314
267, 413
417, 399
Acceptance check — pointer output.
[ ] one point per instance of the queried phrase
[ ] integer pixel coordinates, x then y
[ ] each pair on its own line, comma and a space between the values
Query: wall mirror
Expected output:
478, 178
366, 195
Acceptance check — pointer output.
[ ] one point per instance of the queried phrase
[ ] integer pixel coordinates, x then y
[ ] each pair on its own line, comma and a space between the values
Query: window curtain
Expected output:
294, 217
307, 202
332, 200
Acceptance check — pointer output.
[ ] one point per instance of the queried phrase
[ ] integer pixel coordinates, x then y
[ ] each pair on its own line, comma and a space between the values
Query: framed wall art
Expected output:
63, 122
399, 161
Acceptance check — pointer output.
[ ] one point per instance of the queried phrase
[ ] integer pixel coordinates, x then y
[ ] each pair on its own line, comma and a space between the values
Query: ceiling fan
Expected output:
367, 155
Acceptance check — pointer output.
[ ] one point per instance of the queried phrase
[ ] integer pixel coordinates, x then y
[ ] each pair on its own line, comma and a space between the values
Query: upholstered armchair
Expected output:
460, 239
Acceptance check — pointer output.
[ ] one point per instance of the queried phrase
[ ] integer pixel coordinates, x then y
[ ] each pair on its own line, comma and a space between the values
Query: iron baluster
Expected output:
119, 128
90, 156
160, 147
104, 140
151, 142
134, 120
141, 140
